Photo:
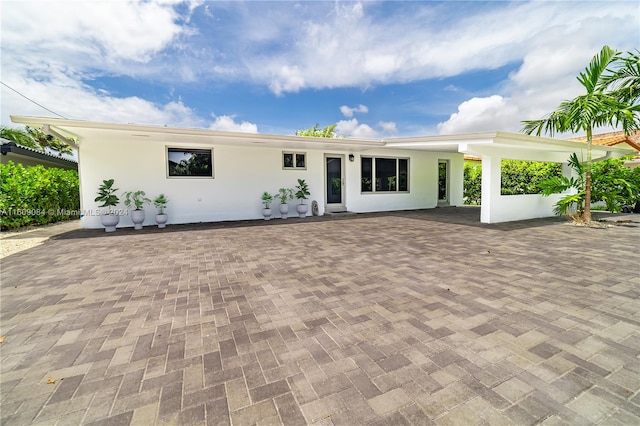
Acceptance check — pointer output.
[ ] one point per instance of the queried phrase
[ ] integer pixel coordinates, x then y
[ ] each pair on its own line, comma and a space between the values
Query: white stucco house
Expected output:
358, 175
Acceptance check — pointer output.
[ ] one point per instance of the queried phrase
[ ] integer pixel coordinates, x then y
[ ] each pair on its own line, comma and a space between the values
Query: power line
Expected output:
31, 100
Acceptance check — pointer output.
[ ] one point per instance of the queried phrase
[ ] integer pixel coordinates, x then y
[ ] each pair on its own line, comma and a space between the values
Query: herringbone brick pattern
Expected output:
414, 318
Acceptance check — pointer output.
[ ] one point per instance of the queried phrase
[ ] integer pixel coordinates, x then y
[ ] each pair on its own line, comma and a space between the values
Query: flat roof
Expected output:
464, 143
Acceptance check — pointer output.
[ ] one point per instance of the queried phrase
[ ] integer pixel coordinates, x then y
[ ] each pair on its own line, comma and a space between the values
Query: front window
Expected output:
383, 174
294, 160
188, 162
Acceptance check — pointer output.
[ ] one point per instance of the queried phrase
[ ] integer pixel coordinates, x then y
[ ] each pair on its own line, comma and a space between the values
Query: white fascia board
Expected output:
517, 140
435, 144
75, 127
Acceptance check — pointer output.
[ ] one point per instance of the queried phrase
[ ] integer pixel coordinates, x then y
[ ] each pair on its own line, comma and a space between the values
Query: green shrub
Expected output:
472, 182
615, 184
517, 177
524, 177
37, 195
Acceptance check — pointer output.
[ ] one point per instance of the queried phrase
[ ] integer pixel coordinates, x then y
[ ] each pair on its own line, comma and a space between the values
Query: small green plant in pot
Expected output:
161, 203
302, 194
138, 200
284, 194
266, 199
107, 196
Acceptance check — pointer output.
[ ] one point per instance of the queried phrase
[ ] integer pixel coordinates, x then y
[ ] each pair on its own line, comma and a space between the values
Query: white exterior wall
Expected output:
423, 182
241, 175
497, 208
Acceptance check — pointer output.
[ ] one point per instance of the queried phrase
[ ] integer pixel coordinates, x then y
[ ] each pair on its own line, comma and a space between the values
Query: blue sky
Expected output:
377, 69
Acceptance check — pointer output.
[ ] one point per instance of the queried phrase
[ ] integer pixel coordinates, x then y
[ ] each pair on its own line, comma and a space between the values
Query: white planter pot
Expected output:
137, 217
109, 221
161, 220
302, 210
266, 212
284, 210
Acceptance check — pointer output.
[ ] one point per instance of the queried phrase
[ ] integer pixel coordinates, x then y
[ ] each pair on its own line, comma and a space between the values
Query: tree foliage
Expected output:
624, 79
472, 182
516, 177
37, 195
610, 99
523, 177
48, 142
317, 132
613, 184
35, 139
20, 137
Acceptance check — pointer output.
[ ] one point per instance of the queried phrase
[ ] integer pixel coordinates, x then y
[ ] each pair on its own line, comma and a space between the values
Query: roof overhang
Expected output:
474, 144
485, 143
88, 129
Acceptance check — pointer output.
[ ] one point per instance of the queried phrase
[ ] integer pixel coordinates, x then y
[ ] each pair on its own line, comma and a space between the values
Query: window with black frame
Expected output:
294, 160
384, 174
189, 162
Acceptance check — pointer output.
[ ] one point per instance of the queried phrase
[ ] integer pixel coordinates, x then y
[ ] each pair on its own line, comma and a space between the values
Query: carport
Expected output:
492, 148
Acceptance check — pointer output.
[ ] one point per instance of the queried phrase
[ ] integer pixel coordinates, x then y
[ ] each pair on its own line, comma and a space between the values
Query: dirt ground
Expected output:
15, 241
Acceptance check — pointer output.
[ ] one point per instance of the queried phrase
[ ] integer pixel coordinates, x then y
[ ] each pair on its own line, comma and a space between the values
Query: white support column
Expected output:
490, 186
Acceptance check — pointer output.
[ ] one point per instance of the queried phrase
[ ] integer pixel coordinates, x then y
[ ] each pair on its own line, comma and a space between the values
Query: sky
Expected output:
376, 69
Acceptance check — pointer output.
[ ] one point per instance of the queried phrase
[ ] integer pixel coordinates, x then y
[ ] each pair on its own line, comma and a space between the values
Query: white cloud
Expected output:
353, 129
388, 127
547, 75
57, 52
351, 47
292, 81
228, 124
348, 111
84, 40
475, 114
78, 33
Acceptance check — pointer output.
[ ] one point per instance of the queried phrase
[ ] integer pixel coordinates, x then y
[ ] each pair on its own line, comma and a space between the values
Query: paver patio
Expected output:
403, 318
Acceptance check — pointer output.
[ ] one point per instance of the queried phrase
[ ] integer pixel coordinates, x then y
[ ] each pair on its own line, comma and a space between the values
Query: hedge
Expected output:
36, 195
516, 177
524, 177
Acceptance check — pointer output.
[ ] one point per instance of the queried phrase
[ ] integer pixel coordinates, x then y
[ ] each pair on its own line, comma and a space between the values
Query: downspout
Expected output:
605, 157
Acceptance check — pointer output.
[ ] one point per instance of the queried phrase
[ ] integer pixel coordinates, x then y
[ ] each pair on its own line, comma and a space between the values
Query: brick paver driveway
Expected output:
403, 318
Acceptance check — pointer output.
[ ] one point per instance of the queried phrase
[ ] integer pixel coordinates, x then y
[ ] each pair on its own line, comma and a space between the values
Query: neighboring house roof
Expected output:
613, 139
29, 156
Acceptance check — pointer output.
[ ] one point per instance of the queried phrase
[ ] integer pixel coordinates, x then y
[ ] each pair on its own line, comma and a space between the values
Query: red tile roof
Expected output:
613, 138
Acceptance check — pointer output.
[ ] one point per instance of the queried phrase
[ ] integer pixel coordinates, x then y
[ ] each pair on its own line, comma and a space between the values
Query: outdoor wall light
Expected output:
352, 157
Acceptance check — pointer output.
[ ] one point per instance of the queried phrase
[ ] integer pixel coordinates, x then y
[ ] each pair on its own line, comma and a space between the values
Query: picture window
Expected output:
189, 163
384, 174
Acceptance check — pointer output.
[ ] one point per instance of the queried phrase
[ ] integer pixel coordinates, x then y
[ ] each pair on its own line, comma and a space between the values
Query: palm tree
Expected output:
600, 106
624, 81
19, 136
48, 141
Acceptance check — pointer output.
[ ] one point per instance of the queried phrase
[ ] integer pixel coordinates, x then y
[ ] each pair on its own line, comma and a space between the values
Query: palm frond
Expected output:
624, 78
591, 77
575, 164
556, 122
556, 184
565, 204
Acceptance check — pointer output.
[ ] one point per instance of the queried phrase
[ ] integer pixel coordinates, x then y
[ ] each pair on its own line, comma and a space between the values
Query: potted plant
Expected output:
161, 203
267, 199
284, 194
106, 195
138, 199
302, 193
